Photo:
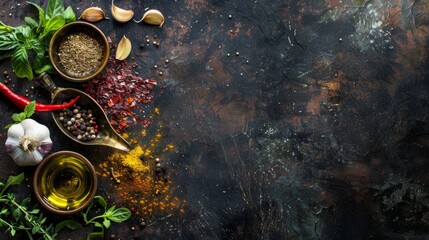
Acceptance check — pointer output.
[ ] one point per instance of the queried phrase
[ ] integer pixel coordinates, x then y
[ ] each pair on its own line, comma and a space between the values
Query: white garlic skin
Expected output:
39, 136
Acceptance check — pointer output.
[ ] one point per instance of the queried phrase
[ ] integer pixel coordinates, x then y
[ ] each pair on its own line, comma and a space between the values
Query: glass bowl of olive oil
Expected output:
65, 182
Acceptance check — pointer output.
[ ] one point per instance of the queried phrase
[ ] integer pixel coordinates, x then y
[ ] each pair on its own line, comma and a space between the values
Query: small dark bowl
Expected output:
73, 28
65, 182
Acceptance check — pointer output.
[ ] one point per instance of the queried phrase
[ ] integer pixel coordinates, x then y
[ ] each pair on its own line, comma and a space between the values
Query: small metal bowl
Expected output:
65, 182
75, 28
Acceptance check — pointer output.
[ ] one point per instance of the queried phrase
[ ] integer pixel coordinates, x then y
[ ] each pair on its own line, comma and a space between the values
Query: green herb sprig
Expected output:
100, 221
19, 117
104, 220
18, 216
33, 38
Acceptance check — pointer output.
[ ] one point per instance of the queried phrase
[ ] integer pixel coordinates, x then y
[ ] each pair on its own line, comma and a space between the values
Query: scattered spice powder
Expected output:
139, 181
120, 92
80, 54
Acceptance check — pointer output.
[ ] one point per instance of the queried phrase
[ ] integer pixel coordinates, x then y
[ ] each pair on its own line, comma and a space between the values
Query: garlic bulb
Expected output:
27, 142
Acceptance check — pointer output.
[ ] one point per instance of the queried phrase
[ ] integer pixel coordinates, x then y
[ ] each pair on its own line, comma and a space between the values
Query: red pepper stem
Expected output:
21, 101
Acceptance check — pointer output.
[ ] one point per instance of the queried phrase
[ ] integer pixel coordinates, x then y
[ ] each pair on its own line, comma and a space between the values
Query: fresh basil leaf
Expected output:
31, 22
5, 55
39, 60
53, 24
120, 215
5, 28
20, 63
106, 223
54, 8
23, 33
96, 236
41, 15
69, 15
8, 41
97, 224
30, 109
45, 68
37, 46
70, 224
101, 201
110, 210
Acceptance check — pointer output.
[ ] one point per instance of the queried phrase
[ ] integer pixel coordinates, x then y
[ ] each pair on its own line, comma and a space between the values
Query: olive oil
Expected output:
65, 182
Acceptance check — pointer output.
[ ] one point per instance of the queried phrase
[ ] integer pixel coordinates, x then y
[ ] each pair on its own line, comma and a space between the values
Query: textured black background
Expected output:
318, 129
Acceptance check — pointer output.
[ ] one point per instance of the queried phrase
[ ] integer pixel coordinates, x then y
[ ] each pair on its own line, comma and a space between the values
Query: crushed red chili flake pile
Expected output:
120, 92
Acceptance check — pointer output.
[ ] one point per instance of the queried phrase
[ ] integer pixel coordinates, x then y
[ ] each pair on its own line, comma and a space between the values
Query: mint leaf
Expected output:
18, 117
30, 109
20, 63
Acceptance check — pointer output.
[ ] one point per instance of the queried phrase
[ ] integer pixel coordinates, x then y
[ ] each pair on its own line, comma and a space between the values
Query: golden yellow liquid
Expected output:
65, 182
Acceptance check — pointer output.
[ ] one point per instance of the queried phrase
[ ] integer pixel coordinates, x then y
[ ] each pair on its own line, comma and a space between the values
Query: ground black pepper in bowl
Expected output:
80, 54
80, 122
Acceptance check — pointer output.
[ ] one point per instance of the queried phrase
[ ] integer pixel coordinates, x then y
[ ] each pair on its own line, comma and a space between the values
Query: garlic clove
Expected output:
15, 132
121, 15
152, 17
93, 14
38, 131
124, 48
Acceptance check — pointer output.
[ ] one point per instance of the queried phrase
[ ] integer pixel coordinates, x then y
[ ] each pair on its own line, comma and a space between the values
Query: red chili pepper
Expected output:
21, 101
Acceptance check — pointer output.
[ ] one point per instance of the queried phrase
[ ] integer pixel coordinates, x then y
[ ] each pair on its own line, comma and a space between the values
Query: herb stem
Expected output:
92, 220
30, 219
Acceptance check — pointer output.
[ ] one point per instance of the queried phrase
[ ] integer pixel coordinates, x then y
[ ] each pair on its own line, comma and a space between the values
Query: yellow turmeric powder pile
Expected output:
138, 181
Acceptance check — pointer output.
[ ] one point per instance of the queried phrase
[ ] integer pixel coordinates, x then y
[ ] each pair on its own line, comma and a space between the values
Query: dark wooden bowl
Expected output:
50, 173
73, 28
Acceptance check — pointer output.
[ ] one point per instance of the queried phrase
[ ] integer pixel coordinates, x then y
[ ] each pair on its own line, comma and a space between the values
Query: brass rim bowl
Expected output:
65, 182
74, 28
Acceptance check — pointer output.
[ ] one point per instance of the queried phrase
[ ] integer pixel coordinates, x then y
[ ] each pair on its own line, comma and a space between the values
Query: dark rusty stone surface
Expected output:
291, 119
